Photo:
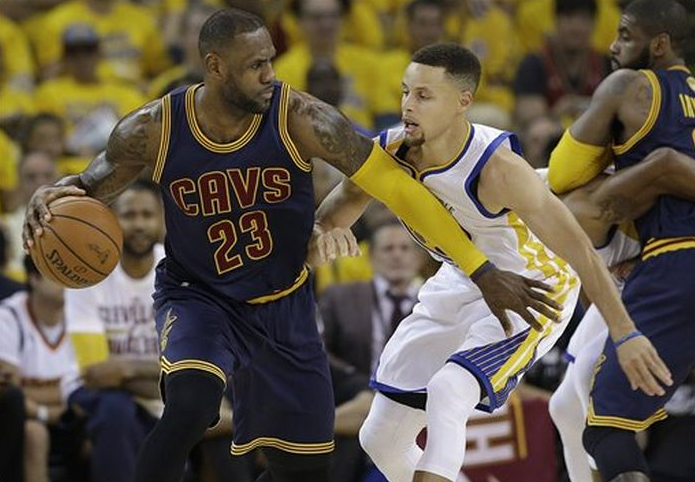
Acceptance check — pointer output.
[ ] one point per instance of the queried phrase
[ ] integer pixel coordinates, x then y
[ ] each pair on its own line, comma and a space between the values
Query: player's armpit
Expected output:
90, 348
133, 146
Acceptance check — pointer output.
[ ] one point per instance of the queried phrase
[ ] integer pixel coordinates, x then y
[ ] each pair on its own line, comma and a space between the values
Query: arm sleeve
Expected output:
573, 163
382, 178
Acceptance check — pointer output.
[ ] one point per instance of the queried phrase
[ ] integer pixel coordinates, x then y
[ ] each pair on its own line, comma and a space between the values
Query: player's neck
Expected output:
218, 120
445, 147
45, 312
667, 63
137, 267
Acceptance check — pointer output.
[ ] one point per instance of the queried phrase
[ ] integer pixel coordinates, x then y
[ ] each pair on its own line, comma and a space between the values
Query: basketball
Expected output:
81, 244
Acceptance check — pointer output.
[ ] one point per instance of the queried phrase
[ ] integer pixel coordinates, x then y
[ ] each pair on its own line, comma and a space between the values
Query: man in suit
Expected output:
358, 319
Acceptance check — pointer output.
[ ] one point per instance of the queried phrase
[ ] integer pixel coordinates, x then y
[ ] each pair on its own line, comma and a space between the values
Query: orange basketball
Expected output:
81, 245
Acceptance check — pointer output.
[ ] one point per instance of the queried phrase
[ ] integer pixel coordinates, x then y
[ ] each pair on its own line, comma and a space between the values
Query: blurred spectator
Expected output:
8, 286
36, 169
132, 47
36, 356
424, 26
559, 79
90, 107
190, 71
535, 19
360, 26
16, 62
354, 337
113, 331
46, 133
9, 158
364, 100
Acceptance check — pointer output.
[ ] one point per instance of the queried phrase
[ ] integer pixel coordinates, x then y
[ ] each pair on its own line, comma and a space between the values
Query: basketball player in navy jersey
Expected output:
232, 158
632, 113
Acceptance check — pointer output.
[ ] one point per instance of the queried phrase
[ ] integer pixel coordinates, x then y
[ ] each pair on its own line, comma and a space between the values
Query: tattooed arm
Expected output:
630, 192
132, 147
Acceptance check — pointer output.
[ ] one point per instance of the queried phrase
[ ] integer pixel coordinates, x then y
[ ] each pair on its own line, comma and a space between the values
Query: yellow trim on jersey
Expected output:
164, 139
537, 258
621, 422
665, 245
203, 139
651, 118
419, 174
284, 445
680, 67
283, 112
192, 364
299, 281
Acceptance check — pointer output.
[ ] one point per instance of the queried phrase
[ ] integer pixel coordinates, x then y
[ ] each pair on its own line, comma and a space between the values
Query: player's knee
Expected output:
37, 442
372, 435
601, 443
193, 397
452, 389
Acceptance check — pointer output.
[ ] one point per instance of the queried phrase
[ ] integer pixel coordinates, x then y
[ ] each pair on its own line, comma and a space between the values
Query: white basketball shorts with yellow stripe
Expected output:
452, 323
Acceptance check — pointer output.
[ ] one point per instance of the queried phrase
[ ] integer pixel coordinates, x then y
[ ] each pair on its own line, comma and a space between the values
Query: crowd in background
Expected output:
70, 69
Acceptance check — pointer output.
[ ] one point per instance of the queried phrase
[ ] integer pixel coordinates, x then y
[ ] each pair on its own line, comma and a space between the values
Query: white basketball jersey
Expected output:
503, 237
119, 307
44, 355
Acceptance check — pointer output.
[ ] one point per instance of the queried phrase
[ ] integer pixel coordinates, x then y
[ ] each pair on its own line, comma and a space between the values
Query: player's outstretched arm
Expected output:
132, 146
320, 130
583, 151
508, 181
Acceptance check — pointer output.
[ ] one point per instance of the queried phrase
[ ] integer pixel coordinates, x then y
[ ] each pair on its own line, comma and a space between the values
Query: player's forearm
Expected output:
104, 180
382, 178
342, 207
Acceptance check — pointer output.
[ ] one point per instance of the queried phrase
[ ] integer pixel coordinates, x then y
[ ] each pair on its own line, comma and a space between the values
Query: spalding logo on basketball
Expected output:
81, 245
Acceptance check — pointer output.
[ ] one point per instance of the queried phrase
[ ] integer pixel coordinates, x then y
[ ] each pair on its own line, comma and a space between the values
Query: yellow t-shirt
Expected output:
15, 102
360, 27
9, 160
365, 93
72, 101
17, 65
536, 18
131, 45
393, 65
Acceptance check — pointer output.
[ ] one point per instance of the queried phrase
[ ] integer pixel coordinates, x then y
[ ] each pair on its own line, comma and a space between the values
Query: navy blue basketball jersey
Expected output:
238, 215
671, 123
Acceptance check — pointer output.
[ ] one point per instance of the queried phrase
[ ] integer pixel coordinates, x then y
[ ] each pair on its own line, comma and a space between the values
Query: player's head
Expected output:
650, 31
47, 292
438, 87
236, 50
393, 253
575, 20
139, 213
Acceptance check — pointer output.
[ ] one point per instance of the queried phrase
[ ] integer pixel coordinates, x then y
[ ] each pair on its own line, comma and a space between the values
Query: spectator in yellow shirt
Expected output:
133, 49
90, 107
365, 100
424, 26
16, 62
9, 158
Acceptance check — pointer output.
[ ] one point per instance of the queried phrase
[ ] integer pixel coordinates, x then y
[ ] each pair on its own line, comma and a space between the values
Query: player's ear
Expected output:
660, 44
465, 99
214, 66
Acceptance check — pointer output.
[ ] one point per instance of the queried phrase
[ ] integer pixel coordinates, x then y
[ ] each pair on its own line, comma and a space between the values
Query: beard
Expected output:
414, 141
236, 99
642, 61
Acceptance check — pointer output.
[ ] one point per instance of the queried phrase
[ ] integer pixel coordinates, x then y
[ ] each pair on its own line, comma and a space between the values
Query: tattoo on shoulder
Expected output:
135, 139
620, 81
338, 143
615, 208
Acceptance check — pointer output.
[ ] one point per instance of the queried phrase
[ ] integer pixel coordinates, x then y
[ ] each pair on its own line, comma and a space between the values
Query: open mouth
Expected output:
410, 126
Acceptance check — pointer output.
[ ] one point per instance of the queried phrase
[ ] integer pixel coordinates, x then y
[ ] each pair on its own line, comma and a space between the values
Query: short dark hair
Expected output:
458, 62
571, 7
661, 16
412, 7
223, 26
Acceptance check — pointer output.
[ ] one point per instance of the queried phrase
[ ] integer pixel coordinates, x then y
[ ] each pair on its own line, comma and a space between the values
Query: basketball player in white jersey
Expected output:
453, 351
37, 356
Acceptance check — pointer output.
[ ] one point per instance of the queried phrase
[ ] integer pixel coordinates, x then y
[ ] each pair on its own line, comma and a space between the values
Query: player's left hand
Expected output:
107, 374
643, 366
327, 245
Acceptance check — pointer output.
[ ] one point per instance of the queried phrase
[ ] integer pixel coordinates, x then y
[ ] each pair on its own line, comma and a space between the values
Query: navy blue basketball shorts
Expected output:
272, 353
660, 297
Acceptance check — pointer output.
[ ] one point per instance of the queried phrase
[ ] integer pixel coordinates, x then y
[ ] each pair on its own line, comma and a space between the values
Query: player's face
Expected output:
48, 292
395, 255
249, 74
139, 214
432, 102
630, 49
